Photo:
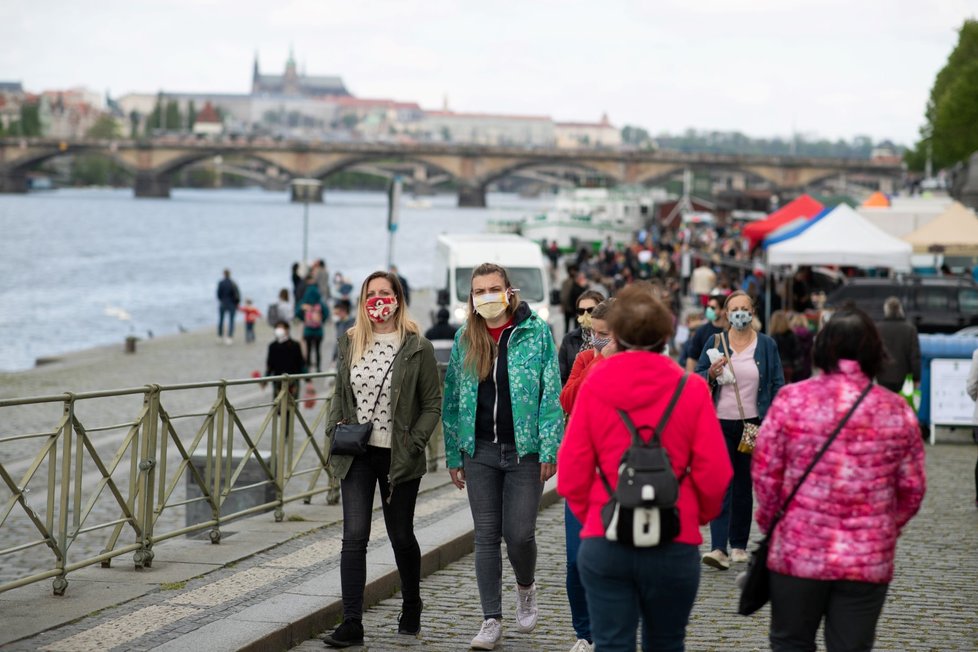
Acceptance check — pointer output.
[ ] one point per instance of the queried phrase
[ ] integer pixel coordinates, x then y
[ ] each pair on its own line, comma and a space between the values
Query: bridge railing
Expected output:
84, 492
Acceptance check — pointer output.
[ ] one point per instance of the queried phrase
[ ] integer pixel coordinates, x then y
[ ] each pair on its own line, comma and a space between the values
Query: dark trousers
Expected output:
657, 585
733, 524
576, 594
230, 312
850, 610
313, 349
249, 331
366, 472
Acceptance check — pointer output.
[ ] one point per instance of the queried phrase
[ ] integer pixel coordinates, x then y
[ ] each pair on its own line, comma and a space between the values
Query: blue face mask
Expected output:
711, 314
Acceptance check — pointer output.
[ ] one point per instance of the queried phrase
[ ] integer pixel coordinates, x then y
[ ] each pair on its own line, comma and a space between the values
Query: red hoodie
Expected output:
641, 383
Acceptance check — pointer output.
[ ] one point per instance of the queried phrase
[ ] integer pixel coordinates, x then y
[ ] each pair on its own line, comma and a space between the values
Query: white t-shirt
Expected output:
365, 379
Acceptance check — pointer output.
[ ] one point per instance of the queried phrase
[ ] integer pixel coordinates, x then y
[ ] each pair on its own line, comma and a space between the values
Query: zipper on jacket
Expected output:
495, 382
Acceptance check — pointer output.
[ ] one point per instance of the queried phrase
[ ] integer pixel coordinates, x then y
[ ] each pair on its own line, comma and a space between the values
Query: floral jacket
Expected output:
534, 386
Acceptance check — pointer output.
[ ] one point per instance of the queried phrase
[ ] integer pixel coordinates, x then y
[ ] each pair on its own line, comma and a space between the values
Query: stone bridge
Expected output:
473, 167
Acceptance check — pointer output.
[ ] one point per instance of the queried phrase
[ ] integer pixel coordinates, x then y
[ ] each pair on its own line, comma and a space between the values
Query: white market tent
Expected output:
839, 237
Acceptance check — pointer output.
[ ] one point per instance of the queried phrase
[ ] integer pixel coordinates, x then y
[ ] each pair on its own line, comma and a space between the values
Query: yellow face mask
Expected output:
585, 321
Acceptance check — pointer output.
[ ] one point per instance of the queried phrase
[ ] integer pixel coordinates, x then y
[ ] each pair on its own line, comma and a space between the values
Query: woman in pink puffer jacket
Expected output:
831, 555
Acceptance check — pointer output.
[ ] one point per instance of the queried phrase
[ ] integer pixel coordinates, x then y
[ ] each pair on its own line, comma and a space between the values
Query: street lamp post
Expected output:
306, 191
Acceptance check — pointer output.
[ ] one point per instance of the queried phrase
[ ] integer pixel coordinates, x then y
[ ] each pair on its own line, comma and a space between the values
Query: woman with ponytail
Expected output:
386, 375
503, 424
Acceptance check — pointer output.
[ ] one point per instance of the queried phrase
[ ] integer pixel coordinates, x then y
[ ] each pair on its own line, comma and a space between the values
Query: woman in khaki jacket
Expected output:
385, 356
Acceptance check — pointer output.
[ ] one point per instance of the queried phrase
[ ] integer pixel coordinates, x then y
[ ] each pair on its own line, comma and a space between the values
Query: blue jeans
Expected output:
657, 585
576, 595
504, 496
230, 312
733, 524
367, 472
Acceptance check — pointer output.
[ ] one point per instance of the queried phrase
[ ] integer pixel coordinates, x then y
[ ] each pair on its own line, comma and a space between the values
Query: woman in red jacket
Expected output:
656, 584
831, 556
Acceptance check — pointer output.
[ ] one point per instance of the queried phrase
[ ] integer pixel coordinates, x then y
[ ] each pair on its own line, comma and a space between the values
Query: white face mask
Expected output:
281, 333
740, 319
491, 305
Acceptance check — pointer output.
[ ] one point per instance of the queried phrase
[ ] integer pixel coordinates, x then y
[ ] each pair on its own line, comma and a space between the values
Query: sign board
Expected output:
950, 404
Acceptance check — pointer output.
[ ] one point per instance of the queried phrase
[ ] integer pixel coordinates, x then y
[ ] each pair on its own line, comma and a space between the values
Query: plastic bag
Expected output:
726, 376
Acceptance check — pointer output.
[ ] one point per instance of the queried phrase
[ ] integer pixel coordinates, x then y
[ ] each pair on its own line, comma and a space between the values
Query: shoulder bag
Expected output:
351, 438
749, 435
756, 585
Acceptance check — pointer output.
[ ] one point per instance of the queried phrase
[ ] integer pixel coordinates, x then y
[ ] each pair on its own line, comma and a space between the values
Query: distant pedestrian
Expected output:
281, 310
657, 584
298, 282
566, 304
580, 338
972, 389
902, 345
404, 285
702, 282
831, 555
757, 376
442, 330
342, 285
320, 274
313, 313
386, 376
228, 298
788, 346
806, 338
344, 322
284, 357
251, 315
715, 323
503, 423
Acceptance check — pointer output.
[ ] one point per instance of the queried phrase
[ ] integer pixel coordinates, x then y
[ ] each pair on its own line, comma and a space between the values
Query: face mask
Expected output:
490, 306
711, 314
585, 321
380, 309
281, 333
600, 343
740, 319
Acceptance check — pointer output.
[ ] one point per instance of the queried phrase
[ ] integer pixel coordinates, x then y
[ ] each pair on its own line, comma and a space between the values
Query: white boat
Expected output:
591, 215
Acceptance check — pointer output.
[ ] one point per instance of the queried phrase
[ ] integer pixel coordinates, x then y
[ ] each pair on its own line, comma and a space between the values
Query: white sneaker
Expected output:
582, 646
739, 556
227, 341
526, 607
717, 559
488, 636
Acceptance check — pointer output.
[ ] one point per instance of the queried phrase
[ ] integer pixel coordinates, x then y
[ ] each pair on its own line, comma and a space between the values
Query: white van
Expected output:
458, 254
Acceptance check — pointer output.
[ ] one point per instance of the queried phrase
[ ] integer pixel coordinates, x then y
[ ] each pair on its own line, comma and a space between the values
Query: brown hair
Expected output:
603, 309
734, 295
593, 295
362, 333
779, 323
480, 349
640, 320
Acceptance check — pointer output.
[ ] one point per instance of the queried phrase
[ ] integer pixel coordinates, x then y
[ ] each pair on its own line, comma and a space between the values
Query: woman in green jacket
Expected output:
503, 423
385, 356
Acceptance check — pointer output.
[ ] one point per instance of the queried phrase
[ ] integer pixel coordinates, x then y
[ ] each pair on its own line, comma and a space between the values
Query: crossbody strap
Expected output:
655, 433
740, 405
780, 513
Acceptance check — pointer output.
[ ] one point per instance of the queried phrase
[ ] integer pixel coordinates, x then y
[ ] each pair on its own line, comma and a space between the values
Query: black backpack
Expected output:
642, 511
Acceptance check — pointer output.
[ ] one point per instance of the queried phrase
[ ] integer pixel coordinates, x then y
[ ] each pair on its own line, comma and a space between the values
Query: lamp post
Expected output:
306, 191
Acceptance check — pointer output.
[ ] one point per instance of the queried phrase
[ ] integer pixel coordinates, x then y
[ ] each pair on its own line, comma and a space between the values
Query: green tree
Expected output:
191, 115
173, 118
949, 132
105, 128
30, 120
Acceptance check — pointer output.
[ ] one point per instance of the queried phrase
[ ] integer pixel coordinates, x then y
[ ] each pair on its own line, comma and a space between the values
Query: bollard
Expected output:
131, 344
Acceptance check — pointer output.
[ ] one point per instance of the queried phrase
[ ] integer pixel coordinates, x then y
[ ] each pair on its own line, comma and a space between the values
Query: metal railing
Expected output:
123, 487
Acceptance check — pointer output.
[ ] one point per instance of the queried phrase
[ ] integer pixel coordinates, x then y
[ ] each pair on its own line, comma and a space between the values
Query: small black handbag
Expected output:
351, 438
755, 591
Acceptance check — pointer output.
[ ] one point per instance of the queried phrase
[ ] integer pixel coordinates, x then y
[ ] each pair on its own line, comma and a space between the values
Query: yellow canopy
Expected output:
877, 200
955, 231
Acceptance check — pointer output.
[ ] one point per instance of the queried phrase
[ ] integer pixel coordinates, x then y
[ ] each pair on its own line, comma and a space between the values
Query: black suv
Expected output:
934, 304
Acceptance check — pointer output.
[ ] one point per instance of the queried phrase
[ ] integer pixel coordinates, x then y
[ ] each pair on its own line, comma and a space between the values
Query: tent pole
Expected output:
767, 292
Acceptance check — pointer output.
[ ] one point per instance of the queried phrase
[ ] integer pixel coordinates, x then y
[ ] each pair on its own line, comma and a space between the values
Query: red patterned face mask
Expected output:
380, 309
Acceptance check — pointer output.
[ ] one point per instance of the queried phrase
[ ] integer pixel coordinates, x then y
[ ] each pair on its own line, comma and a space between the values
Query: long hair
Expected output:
480, 349
362, 334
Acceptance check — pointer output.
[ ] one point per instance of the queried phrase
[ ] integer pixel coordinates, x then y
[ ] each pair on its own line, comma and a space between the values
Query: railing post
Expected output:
215, 464
143, 558
280, 439
60, 584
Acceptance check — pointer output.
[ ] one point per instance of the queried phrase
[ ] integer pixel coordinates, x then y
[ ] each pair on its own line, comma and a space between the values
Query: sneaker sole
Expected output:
715, 563
523, 629
342, 644
482, 646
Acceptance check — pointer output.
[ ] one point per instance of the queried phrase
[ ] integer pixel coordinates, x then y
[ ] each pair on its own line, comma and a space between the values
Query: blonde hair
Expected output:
362, 333
779, 323
480, 348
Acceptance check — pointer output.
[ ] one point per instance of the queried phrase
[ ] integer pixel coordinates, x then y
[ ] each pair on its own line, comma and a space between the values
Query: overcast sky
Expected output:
828, 68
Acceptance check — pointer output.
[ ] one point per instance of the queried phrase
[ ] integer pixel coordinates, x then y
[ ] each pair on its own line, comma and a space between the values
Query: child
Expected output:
251, 315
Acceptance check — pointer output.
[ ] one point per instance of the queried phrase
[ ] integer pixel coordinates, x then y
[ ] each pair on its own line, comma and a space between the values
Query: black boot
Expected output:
409, 620
347, 634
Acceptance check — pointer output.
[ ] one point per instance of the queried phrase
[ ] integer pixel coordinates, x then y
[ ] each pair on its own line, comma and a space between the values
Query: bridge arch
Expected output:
35, 156
347, 162
611, 170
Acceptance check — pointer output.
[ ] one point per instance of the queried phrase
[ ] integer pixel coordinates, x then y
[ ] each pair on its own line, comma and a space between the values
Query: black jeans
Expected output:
850, 609
313, 347
732, 525
366, 472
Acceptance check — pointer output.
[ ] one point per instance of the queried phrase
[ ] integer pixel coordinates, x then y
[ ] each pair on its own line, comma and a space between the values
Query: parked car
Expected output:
938, 304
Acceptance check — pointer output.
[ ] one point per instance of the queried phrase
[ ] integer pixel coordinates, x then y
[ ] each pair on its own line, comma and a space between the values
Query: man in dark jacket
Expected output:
442, 330
228, 298
900, 340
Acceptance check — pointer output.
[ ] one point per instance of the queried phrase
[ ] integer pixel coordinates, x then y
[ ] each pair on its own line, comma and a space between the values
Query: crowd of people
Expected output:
740, 416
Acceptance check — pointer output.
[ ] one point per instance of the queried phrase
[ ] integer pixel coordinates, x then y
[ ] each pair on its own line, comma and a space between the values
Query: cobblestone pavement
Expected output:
930, 606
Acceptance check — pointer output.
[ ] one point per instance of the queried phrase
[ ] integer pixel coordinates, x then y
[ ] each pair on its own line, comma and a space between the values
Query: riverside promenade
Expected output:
275, 586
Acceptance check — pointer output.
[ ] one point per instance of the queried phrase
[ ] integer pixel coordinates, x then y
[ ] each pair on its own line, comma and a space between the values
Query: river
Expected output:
72, 262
